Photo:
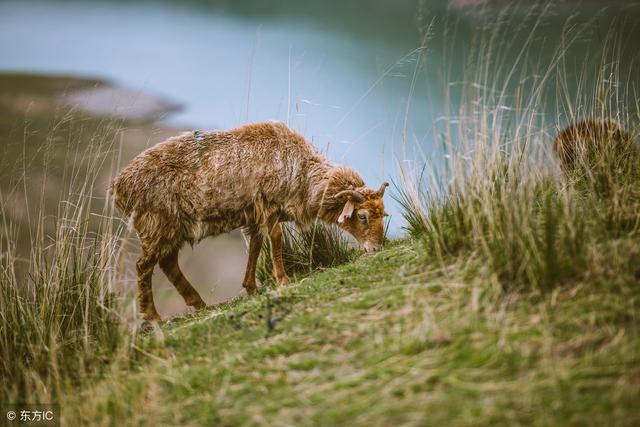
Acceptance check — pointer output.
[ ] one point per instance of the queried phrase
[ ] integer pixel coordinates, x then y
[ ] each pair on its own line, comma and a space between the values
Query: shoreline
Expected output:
35, 92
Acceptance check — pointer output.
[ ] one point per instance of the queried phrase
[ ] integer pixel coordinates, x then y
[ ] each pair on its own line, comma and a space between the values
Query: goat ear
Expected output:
383, 187
347, 211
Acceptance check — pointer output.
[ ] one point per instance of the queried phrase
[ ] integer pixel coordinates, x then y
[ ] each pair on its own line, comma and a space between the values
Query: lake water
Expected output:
339, 72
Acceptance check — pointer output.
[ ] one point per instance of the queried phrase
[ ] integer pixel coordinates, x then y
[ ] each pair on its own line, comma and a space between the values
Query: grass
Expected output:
389, 340
59, 322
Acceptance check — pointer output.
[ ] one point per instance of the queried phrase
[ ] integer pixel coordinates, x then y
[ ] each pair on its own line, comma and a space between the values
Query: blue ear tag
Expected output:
197, 135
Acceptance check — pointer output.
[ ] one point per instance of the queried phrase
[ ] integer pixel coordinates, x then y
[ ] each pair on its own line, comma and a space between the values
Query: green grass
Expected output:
388, 340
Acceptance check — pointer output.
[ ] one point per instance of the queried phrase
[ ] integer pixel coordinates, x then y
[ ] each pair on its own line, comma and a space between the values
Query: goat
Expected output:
254, 177
581, 141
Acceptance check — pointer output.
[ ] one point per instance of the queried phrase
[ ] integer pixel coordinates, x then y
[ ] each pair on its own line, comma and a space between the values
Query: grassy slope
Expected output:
388, 340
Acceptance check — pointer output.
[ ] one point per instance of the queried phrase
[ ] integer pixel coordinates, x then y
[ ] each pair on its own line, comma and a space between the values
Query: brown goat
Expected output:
578, 142
253, 177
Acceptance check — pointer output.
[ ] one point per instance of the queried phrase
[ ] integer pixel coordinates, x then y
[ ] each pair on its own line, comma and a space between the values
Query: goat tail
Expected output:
118, 191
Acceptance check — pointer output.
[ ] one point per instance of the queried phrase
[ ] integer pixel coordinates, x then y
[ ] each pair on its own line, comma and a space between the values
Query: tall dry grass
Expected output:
61, 320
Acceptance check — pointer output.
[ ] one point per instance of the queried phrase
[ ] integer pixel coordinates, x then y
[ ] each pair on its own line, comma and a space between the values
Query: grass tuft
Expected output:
319, 246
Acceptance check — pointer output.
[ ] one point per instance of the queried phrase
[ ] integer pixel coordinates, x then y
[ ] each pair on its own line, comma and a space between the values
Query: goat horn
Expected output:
353, 194
382, 188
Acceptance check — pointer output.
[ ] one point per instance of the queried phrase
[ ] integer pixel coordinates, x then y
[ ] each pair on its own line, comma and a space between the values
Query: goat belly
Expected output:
214, 226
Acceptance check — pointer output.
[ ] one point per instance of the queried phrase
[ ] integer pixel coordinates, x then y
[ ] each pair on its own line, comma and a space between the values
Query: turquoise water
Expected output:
339, 72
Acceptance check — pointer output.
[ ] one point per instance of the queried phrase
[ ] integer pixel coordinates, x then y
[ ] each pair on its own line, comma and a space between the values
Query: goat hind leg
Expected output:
144, 268
171, 268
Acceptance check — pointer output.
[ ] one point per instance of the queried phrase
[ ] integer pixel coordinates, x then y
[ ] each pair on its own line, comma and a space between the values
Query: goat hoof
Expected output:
149, 326
151, 317
250, 289
198, 305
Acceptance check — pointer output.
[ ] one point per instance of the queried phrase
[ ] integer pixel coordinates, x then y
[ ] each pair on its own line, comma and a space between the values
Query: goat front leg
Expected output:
275, 242
255, 245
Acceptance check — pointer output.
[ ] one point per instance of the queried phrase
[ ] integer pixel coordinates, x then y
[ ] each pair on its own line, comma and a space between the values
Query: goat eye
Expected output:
362, 217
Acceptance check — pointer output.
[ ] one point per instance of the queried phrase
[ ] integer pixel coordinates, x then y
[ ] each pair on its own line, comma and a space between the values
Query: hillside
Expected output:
391, 339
